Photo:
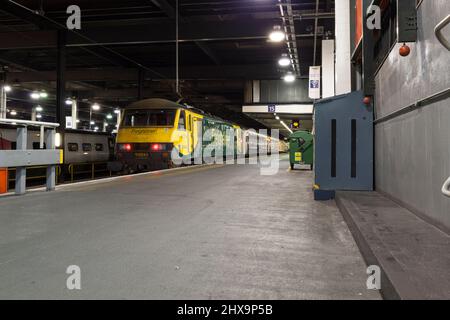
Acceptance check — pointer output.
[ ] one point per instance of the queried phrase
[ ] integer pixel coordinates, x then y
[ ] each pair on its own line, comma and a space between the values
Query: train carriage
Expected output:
153, 131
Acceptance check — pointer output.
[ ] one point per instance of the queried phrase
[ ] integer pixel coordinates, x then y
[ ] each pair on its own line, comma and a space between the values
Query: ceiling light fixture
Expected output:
277, 35
96, 107
284, 61
289, 77
35, 95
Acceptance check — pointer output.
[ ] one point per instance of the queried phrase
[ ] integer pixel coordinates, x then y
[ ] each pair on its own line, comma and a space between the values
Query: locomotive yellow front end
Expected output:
145, 136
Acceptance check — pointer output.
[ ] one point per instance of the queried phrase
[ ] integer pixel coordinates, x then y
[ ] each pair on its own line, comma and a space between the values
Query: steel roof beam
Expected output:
133, 35
262, 71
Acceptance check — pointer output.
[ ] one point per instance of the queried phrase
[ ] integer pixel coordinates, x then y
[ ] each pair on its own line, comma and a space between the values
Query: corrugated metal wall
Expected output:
412, 151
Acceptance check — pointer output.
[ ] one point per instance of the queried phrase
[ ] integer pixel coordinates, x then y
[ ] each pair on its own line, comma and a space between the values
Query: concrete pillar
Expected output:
328, 85
51, 170
61, 80
256, 91
33, 114
119, 117
90, 118
2, 102
343, 47
21, 172
74, 114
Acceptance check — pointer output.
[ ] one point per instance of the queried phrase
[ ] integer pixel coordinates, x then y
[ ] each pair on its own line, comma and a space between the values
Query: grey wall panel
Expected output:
412, 151
404, 80
413, 160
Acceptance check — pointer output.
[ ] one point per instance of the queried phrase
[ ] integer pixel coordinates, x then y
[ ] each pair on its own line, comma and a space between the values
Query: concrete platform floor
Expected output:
219, 232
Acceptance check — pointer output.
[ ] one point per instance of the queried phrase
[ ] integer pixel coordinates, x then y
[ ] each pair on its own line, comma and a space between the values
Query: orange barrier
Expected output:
3, 180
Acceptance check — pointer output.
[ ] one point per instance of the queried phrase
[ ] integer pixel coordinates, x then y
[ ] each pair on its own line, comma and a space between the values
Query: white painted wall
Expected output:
328, 86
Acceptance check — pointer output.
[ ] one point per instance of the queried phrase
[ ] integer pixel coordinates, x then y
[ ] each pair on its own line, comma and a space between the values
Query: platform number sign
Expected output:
272, 108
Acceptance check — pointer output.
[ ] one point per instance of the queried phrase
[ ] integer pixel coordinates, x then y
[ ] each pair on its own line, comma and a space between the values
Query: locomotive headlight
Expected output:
124, 147
57, 140
157, 147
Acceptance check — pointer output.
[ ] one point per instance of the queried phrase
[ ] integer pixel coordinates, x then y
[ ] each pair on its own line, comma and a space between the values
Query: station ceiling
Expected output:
223, 44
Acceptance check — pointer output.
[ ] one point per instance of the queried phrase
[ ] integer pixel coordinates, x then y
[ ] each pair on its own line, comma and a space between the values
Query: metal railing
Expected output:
21, 158
35, 177
96, 169
438, 32
72, 169
441, 95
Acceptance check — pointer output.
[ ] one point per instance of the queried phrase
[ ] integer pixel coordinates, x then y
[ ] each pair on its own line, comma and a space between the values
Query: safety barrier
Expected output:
31, 177
21, 158
95, 168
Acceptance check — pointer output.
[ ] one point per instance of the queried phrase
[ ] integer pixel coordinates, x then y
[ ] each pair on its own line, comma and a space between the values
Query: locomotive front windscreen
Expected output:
149, 118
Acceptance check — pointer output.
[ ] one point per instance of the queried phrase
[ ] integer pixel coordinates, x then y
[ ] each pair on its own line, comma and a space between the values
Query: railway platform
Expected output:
201, 232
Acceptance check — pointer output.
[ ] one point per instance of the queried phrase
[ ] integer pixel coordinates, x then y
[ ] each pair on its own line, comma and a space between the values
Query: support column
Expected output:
343, 78
368, 81
61, 80
33, 114
21, 172
327, 68
51, 170
2, 102
74, 114
119, 117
